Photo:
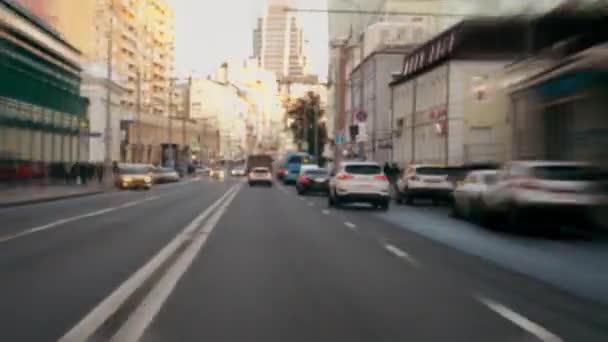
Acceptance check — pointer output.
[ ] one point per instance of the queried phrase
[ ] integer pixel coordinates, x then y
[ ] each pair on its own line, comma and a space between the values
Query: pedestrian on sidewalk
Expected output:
99, 172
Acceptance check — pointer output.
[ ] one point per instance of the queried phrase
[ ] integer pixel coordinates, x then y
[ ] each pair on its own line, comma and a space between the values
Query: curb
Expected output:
48, 199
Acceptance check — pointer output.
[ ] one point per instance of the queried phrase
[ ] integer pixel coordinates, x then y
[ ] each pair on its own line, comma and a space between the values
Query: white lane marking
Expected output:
325, 211
134, 203
142, 317
401, 254
72, 219
519, 320
350, 225
96, 317
310, 204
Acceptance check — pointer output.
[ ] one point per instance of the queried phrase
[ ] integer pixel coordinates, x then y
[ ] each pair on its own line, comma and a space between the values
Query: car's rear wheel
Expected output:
384, 205
409, 199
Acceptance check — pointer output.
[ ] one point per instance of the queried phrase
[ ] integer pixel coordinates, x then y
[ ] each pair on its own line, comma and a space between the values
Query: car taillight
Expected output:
380, 177
344, 176
528, 185
304, 179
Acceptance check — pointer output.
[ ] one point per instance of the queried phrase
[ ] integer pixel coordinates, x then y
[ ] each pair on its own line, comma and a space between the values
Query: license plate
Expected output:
320, 180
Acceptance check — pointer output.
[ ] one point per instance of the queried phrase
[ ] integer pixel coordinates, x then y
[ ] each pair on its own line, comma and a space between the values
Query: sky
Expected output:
209, 32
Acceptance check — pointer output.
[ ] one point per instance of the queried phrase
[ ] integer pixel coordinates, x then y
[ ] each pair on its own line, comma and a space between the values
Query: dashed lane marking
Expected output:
401, 254
325, 211
519, 320
350, 225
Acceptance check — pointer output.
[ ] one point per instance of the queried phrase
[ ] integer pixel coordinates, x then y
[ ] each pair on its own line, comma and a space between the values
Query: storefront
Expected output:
43, 118
562, 116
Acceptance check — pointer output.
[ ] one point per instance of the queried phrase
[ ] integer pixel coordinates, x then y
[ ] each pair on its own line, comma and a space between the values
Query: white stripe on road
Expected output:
350, 225
519, 320
310, 204
401, 254
325, 211
142, 317
94, 319
72, 219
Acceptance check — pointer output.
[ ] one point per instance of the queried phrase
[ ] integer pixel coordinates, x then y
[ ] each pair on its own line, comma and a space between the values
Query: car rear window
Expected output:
432, 171
567, 173
300, 160
317, 172
134, 170
363, 169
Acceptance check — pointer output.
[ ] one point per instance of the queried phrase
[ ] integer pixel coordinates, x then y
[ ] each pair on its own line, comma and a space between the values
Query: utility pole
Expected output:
170, 126
316, 132
108, 129
184, 118
139, 142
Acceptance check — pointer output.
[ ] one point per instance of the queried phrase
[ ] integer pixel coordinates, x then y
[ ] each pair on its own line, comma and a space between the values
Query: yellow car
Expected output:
134, 176
217, 173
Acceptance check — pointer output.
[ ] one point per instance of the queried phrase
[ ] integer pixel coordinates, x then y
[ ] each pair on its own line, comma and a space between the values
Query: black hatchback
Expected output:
313, 180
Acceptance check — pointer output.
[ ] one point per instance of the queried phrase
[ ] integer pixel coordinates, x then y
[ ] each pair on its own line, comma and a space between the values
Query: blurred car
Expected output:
203, 170
237, 172
551, 190
292, 165
217, 173
356, 181
313, 180
134, 176
468, 196
165, 175
259, 175
424, 181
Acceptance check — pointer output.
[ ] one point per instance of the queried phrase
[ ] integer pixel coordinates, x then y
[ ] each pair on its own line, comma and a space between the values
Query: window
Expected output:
432, 171
363, 169
567, 173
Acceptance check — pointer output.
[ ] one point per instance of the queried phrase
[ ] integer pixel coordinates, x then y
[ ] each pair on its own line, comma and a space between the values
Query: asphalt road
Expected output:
219, 261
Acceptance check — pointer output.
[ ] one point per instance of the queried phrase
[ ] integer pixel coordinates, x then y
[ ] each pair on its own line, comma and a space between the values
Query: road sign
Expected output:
340, 139
361, 115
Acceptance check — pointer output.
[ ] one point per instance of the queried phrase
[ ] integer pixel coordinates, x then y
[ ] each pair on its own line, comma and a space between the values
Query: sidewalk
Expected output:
22, 195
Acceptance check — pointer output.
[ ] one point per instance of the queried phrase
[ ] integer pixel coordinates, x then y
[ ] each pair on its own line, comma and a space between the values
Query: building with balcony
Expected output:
142, 34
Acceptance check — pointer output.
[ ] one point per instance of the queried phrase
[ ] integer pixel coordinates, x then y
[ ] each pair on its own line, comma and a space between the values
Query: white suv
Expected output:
356, 181
424, 181
260, 175
546, 190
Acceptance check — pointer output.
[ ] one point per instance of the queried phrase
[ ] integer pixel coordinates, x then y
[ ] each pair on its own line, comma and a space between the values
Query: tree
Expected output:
307, 126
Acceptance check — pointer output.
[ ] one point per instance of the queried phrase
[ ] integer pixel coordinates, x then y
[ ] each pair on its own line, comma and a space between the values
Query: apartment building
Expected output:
142, 37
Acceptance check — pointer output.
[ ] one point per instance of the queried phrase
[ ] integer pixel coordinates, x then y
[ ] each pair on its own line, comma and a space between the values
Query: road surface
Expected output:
206, 260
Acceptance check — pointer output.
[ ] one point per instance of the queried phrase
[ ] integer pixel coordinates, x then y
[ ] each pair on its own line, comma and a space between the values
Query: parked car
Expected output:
424, 181
357, 181
313, 180
237, 172
202, 170
217, 173
468, 196
134, 176
550, 190
292, 165
260, 175
165, 175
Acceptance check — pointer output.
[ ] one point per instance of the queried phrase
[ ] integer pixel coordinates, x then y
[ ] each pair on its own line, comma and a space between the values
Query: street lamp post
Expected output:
108, 129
